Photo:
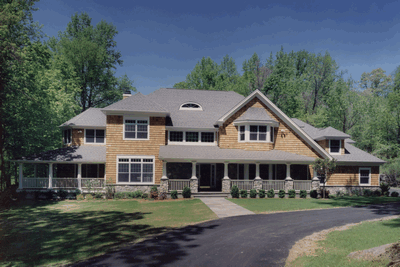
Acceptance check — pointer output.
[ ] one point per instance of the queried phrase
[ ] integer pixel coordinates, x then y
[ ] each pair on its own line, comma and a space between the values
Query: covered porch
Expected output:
217, 170
67, 168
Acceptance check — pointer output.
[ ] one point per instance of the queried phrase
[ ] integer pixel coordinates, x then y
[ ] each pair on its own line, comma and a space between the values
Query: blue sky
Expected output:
161, 41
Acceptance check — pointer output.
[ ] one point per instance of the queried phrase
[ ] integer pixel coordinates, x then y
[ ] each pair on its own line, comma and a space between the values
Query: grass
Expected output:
62, 232
286, 204
338, 244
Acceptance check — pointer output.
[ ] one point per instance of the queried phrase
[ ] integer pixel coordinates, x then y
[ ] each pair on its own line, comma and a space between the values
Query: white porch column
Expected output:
194, 169
164, 183
246, 171
226, 182
258, 170
50, 175
79, 176
288, 170
257, 181
194, 182
288, 180
226, 170
164, 170
270, 173
21, 175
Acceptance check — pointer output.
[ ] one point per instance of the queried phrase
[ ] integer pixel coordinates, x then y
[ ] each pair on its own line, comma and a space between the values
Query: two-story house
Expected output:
206, 140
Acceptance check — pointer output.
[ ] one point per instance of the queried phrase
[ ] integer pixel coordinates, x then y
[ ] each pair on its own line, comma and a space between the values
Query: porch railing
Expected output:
301, 185
92, 182
35, 182
273, 184
178, 184
243, 184
65, 182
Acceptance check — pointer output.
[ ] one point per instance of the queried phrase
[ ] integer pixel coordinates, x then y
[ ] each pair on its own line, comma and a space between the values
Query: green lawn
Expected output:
265, 205
60, 232
338, 244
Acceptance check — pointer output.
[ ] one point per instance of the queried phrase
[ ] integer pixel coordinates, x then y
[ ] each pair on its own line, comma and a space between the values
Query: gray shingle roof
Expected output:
255, 114
75, 154
92, 117
317, 133
137, 102
214, 104
184, 152
354, 154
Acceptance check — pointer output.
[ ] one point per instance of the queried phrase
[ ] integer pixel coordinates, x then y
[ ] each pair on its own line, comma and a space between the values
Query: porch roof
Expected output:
216, 154
73, 154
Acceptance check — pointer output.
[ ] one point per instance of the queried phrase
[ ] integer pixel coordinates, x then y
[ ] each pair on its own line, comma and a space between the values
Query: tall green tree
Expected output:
376, 81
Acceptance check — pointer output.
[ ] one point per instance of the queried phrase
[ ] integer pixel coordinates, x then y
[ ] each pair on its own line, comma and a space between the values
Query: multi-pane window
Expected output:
242, 132
365, 174
94, 136
258, 133
136, 129
175, 136
192, 136
67, 136
334, 146
135, 170
207, 137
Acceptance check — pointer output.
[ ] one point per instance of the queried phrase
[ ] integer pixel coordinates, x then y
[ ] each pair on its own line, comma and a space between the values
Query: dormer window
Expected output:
190, 106
334, 146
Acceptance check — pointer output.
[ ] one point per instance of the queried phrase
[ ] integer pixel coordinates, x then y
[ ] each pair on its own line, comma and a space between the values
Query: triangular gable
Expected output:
280, 115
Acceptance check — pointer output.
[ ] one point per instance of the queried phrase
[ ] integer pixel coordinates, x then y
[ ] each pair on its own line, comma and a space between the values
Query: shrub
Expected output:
281, 193
138, 194
303, 193
62, 194
313, 193
385, 187
186, 192
153, 189
110, 190
145, 195
80, 197
154, 192
367, 193
253, 193
326, 193
394, 194
119, 195
49, 194
235, 191
377, 193
78, 192
174, 194
261, 193
292, 193
162, 196
356, 192
339, 194
243, 193
89, 197
271, 193
98, 195
130, 195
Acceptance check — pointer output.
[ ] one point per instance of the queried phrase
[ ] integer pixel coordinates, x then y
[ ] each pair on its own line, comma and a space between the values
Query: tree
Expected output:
376, 82
92, 54
255, 73
326, 167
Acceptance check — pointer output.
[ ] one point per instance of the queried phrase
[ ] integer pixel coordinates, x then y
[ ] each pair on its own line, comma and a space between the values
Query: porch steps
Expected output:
210, 194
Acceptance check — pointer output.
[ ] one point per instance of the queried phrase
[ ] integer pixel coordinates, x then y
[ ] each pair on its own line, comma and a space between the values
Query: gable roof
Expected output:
280, 114
321, 133
214, 103
254, 114
136, 103
92, 117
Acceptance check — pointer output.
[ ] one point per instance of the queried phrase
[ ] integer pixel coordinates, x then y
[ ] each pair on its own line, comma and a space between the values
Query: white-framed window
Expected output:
95, 136
67, 136
191, 106
334, 146
136, 128
191, 138
255, 133
365, 176
135, 169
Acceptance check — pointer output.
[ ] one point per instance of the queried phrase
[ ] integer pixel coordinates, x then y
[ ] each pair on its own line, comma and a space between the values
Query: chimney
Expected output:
126, 94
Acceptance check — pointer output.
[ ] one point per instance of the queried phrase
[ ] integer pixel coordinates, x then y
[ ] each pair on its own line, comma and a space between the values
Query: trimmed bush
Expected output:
271, 193
313, 193
235, 191
89, 197
394, 194
253, 193
367, 193
174, 194
356, 192
186, 192
385, 187
292, 193
261, 193
145, 195
281, 193
80, 197
243, 193
98, 195
138, 194
130, 195
119, 195
62, 194
303, 193
377, 193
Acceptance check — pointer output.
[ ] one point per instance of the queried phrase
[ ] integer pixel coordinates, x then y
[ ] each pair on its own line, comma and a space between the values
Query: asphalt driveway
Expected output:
251, 240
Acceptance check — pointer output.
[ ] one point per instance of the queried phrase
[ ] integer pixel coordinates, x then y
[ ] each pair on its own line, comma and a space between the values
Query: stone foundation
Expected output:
133, 188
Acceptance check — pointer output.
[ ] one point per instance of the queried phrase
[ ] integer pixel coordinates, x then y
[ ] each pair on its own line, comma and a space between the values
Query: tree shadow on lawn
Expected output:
32, 234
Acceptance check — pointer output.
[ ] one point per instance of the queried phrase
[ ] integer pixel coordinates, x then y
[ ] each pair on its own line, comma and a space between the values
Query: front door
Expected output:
207, 176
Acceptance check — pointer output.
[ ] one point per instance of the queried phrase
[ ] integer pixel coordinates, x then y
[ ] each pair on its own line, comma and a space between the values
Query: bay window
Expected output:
255, 133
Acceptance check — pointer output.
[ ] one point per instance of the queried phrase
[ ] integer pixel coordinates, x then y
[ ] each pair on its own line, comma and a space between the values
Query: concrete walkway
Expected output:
224, 208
